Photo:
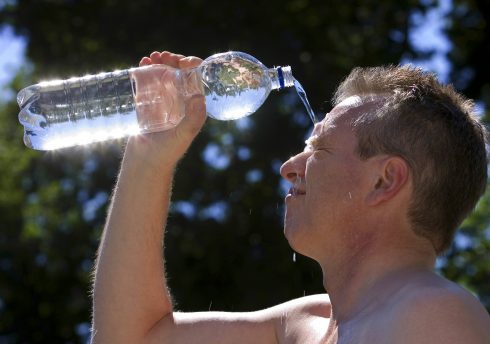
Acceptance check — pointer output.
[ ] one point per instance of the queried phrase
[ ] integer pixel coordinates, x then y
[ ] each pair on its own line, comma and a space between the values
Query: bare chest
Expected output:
368, 328
364, 331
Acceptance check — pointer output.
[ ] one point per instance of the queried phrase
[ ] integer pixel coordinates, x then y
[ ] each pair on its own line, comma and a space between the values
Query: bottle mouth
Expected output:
285, 77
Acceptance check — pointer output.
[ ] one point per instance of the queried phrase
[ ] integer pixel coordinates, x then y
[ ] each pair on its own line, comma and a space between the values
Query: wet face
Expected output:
329, 181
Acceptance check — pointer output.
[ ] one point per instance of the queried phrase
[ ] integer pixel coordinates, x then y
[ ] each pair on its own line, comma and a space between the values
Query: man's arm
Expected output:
303, 320
130, 292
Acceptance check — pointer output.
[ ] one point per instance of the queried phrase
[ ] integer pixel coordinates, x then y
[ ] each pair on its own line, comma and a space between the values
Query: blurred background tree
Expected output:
225, 247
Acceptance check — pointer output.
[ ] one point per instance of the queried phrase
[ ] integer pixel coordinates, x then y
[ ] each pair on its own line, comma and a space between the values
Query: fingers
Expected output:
189, 62
171, 59
145, 61
166, 58
155, 57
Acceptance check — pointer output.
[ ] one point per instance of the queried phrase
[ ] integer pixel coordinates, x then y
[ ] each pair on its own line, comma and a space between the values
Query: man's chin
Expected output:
301, 235
295, 236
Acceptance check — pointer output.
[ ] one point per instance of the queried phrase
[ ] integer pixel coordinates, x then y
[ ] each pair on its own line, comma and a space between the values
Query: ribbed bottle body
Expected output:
75, 111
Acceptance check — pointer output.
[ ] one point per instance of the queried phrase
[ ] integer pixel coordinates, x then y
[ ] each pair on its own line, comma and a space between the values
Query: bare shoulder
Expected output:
302, 320
438, 311
315, 305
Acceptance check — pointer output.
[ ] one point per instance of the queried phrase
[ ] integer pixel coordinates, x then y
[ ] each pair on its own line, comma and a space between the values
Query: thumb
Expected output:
195, 116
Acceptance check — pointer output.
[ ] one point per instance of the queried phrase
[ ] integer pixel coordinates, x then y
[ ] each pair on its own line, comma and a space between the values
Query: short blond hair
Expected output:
436, 130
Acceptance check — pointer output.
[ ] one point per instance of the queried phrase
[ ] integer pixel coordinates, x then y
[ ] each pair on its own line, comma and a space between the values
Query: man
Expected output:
377, 194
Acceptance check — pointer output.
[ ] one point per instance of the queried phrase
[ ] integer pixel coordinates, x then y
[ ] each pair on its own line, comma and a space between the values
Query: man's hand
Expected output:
163, 149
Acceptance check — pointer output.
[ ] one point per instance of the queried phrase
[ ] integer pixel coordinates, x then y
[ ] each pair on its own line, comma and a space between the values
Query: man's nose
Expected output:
294, 168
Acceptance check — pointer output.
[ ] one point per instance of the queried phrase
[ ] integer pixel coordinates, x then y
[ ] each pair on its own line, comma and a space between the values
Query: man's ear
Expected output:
391, 176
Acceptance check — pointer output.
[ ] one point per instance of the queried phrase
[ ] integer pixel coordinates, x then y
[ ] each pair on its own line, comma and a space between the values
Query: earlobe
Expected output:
392, 176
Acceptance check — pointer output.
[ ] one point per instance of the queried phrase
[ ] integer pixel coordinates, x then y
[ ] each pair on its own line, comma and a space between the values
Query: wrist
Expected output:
145, 153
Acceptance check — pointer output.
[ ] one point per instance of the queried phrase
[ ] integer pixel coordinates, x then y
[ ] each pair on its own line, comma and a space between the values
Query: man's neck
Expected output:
354, 279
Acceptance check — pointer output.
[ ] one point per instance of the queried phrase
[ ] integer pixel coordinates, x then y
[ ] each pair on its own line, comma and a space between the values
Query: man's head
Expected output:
326, 204
435, 130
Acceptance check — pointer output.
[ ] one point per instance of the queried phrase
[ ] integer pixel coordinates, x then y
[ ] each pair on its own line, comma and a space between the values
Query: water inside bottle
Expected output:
235, 85
302, 95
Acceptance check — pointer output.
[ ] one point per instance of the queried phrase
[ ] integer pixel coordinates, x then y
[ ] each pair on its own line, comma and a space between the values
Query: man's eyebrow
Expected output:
312, 142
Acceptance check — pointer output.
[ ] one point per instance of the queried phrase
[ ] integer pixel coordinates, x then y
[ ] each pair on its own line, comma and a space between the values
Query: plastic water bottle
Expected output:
94, 108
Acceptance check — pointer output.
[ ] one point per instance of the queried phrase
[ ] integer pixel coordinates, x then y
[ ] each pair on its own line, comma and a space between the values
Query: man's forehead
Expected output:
339, 114
351, 101
335, 123
350, 109
344, 114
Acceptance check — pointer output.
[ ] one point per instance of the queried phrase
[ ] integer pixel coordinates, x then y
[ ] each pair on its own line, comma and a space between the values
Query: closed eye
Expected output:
322, 149
314, 144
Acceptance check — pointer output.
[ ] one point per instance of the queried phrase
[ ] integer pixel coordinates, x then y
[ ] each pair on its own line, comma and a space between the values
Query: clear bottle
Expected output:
94, 108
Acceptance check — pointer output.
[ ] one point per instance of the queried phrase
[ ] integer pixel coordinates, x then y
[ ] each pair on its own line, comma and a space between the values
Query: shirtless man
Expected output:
377, 193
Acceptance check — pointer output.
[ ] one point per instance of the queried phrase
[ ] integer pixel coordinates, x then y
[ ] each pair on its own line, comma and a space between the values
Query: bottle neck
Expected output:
281, 77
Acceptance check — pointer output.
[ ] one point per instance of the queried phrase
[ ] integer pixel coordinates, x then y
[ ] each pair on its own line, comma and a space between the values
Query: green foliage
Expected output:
225, 248
468, 262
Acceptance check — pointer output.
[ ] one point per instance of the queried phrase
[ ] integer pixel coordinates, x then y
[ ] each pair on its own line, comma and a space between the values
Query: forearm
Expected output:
130, 293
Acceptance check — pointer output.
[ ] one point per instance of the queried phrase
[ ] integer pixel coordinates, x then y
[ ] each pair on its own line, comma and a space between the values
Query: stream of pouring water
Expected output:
304, 99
